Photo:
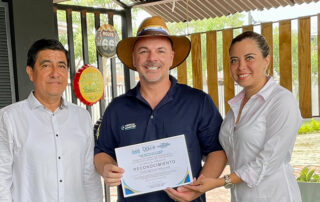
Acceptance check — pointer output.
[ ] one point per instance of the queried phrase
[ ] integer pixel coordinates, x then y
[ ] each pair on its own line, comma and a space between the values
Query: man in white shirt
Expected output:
46, 143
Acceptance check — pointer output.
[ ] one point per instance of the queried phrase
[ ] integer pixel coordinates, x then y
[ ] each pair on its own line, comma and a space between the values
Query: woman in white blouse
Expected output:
259, 131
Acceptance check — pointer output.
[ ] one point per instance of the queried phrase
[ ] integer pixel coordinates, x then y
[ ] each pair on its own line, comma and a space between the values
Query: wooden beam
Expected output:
304, 54
285, 64
183, 73
196, 61
212, 67
247, 28
227, 36
266, 31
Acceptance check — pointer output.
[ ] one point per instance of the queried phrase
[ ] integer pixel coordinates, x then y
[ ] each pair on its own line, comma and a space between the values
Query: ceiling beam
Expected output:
120, 3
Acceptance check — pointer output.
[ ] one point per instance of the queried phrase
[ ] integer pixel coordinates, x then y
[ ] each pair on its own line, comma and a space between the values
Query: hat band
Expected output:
152, 29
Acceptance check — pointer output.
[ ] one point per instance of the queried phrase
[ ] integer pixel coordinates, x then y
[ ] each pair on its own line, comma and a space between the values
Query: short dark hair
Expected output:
258, 38
44, 44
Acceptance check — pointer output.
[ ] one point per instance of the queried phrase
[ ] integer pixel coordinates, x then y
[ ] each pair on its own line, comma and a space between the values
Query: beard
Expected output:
150, 76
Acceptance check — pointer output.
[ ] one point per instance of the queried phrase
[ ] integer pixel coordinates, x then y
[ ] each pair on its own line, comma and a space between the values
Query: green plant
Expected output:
308, 175
310, 127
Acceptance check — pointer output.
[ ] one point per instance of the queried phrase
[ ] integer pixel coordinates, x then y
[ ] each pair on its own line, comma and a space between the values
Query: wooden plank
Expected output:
212, 67
285, 63
182, 73
196, 61
227, 36
304, 54
266, 31
247, 28
319, 64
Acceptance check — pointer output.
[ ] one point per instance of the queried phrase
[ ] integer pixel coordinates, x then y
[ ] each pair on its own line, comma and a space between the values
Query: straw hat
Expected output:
151, 27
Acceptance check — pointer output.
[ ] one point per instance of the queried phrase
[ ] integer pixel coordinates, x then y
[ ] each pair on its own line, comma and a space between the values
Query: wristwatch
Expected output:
228, 184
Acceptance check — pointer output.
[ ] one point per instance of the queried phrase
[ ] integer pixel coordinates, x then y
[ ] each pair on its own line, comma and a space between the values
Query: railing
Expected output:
76, 27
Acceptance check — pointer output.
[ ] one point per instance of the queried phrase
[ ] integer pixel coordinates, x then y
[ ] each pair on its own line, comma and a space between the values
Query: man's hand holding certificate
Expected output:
154, 165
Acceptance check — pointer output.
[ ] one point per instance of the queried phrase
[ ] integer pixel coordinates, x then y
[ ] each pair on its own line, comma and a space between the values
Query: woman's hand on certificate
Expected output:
203, 184
112, 174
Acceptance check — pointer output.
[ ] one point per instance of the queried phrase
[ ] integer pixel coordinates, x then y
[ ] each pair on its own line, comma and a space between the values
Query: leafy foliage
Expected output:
310, 127
308, 175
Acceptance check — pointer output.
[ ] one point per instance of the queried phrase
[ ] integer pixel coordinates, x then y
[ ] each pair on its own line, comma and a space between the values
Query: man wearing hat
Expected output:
159, 107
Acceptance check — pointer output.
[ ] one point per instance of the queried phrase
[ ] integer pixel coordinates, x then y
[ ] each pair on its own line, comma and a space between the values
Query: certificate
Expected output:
154, 165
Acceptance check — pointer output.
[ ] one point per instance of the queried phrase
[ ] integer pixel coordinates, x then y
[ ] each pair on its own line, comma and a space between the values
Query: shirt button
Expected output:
59, 157
57, 135
151, 117
60, 180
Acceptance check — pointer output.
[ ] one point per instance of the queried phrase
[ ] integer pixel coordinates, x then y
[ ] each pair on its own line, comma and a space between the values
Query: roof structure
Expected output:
188, 10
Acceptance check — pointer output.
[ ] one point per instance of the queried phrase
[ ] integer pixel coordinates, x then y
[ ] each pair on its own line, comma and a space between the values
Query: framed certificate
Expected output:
154, 165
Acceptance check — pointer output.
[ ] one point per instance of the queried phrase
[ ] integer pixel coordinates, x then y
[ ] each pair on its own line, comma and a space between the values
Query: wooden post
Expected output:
196, 61
212, 68
304, 54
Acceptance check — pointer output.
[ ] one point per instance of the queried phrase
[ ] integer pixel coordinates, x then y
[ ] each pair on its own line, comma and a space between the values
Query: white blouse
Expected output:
259, 146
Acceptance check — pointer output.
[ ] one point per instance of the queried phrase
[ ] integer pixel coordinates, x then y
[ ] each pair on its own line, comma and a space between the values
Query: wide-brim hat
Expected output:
154, 27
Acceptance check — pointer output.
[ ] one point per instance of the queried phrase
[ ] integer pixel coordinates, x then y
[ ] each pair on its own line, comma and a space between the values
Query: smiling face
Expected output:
49, 75
152, 57
248, 66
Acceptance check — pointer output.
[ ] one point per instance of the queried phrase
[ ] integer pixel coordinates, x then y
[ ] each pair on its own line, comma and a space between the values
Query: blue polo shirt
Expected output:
129, 119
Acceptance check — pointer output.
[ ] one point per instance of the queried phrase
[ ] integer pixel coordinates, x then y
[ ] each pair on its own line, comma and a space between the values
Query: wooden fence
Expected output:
284, 54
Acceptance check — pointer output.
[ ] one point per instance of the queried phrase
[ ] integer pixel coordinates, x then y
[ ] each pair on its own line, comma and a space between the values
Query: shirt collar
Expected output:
136, 92
264, 92
34, 102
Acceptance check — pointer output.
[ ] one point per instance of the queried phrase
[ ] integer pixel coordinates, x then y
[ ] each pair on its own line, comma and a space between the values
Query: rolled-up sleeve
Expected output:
6, 159
283, 121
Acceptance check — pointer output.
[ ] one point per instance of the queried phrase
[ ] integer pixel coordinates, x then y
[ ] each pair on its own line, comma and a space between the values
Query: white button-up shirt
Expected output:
47, 156
259, 146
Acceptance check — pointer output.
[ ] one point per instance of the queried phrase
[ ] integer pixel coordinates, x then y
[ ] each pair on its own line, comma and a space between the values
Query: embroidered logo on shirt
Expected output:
129, 126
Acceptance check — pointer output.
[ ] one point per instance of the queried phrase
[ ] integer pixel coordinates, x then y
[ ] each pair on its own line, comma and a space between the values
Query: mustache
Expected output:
54, 80
152, 64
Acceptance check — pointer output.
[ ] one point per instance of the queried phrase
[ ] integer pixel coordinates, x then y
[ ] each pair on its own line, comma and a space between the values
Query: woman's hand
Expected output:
204, 184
